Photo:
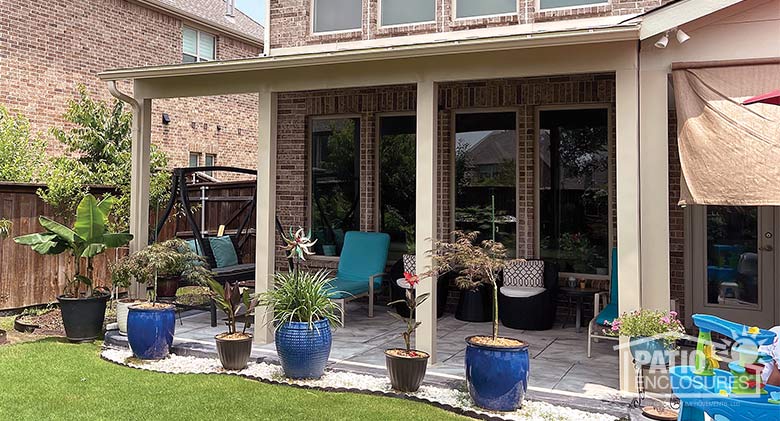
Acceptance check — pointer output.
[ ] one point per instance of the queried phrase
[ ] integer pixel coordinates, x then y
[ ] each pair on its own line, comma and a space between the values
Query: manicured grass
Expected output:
51, 379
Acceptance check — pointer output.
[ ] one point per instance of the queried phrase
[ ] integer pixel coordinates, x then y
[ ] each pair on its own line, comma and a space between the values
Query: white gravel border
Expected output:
175, 364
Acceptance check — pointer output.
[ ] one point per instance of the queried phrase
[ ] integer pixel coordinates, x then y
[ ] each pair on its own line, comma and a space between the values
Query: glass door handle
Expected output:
767, 248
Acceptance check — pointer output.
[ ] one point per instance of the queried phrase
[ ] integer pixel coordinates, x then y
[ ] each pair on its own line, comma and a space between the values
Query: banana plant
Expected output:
229, 299
88, 238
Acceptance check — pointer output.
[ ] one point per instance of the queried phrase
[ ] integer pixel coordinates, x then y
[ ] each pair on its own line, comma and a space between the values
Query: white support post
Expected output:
628, 200
654, 192
426, 211
266, 210
139, 183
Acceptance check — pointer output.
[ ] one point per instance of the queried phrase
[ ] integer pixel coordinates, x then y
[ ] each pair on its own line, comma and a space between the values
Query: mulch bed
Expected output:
49, 323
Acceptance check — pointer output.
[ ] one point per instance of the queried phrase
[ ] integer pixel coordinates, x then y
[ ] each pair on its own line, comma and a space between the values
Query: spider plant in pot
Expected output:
150, 325
302, 314
497, 368
82, 304
406, 366
233, 346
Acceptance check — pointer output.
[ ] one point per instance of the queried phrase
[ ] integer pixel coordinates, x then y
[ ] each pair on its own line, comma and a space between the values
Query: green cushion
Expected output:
194, 247
224, 251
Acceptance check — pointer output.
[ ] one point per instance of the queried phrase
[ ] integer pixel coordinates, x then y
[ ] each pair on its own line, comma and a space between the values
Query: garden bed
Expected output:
48, 321
454, 400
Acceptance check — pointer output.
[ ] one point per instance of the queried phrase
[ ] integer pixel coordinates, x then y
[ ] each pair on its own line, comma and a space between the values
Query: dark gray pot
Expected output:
234, 354
406, 374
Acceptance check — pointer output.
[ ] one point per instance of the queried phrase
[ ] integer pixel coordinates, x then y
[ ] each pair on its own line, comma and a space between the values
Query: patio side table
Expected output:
579, 295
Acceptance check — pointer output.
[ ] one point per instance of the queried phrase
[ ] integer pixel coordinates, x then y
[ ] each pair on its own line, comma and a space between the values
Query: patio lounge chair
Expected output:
361, 267
609, 312
527, 298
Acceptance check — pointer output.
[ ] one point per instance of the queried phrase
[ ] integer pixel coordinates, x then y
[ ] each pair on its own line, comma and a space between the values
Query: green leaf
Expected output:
33, 239
84, 280
93, 250
90, 220
62, 231
392, 303
105, 204
397, 316
114, 240
53, 247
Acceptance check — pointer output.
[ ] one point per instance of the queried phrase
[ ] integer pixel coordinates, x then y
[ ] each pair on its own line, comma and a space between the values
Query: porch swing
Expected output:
212, 245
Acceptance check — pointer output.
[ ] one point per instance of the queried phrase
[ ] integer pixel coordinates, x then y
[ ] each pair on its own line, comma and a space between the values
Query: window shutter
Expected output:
206, 50
190, 41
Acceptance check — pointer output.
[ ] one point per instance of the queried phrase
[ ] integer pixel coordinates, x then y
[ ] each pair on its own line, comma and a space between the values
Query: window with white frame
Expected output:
194, 159
555, 4
197, 45
402, 12
337, 15
478, 8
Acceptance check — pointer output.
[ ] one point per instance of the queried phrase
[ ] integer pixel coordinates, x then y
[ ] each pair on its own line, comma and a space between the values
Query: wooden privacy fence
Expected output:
26, 277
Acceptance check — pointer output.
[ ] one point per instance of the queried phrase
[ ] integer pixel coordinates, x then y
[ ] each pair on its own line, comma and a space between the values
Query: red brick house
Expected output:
356, 96
47, 48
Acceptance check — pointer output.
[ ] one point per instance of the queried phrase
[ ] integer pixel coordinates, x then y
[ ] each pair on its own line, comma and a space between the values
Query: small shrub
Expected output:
22, 155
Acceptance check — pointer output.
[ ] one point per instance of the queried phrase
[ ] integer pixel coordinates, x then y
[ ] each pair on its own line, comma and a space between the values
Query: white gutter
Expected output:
465, 46
116, 93
208, 24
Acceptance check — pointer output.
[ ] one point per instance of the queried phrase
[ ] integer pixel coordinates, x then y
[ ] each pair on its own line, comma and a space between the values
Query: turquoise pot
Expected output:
649, 351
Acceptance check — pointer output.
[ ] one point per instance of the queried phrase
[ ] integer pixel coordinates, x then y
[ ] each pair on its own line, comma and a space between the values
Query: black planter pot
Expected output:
406, 373
3, 338
83, 317
234, 354
24, 327
475, 305
167, 287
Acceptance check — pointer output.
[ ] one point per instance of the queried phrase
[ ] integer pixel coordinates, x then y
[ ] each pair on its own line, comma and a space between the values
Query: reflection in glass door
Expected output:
733, 256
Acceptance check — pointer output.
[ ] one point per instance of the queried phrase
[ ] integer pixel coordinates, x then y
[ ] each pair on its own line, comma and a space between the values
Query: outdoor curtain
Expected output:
729, 152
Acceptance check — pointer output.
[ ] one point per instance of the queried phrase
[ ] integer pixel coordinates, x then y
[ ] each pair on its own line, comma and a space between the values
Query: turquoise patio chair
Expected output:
361, 267
610, 311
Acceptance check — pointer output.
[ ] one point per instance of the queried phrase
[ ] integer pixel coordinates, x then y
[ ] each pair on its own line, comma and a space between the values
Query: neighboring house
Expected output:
591, 75
47, 48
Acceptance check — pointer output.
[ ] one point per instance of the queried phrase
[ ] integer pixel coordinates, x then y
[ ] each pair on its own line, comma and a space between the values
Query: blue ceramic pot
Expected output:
150, 331
649, 351
497, 377
303, 351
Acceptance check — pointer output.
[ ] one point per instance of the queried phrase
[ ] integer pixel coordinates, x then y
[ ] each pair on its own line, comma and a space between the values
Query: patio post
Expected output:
139, 182
628, 201
426, 211
266, 209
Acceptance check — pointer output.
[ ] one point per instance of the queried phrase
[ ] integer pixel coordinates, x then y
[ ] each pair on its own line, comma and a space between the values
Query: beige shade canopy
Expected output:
729, 152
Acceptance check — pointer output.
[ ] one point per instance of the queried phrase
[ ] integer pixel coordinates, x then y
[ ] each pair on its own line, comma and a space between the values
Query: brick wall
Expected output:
47, 48
676, 223
521, 95
291, 20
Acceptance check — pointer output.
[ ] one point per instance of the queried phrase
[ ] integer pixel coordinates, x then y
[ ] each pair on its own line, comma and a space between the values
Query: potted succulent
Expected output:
150, 325
652, 334
406, 366
83, 305
497, 368
233, 347
302, 313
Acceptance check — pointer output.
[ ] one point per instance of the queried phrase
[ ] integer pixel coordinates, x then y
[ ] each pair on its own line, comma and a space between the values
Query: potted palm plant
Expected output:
150, 325
302, 313
83, 305
233, 347
497, 368
406, 366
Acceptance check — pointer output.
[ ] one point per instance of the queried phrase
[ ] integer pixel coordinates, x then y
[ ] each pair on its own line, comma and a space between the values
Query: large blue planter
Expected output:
649, 351
497, 377
303, 351
150, 331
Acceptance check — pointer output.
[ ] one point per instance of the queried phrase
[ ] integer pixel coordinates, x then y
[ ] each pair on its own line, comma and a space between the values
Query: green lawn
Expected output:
51, 379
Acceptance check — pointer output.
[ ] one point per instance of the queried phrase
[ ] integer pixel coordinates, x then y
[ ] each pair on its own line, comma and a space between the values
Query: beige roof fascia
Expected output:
625, 32
206, 23
678, 13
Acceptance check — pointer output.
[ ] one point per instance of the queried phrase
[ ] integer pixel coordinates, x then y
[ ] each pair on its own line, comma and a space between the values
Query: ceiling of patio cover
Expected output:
729, 152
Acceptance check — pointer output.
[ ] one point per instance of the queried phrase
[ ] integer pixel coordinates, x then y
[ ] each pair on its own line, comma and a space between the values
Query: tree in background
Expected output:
22, 156
98, 153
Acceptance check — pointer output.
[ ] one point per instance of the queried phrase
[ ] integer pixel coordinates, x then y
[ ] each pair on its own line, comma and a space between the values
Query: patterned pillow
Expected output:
524, 273
410, 265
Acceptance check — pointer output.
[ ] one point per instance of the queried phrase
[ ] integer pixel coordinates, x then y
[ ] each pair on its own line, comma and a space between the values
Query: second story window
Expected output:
197, 45
338, 15
480, 8
555, 4
402, 12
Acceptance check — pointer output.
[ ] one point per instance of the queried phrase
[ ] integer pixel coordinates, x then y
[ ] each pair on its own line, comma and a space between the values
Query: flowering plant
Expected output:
409, 283
298, 245
648, 323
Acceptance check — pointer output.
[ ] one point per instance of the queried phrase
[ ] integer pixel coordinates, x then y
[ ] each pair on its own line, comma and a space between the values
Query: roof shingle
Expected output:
214, 11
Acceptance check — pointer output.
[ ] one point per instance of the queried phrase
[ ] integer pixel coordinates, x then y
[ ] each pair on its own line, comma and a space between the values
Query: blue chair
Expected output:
610, 311
361, 267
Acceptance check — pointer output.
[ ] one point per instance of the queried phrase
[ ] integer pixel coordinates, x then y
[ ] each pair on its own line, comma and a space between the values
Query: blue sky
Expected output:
253, 8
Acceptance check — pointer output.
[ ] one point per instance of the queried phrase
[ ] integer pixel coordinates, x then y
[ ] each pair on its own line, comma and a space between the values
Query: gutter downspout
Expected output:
267, 30
116, 93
